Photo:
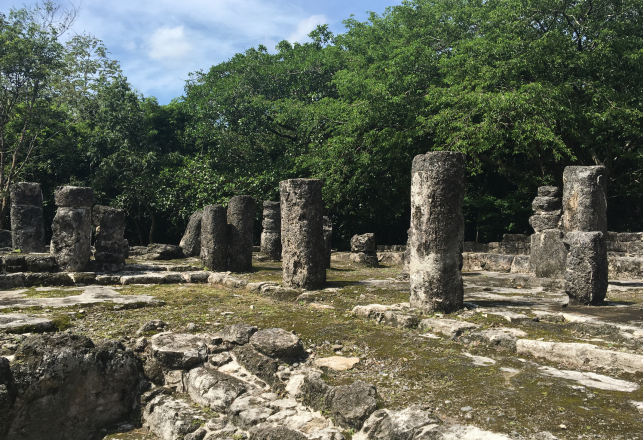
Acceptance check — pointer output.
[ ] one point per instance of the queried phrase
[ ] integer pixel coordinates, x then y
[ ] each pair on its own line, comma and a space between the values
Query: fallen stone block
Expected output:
178, 350
278, 343
171, 419
47, 279
264, 367
337, 363
448, 327
162, 252
148, 278
21, 323
351, 405
212, 388
196, 277
400, 320
249, 411
237, 333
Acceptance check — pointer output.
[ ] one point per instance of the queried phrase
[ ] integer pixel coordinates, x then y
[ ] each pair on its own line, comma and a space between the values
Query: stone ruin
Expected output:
72, 228
437, 231
191, 240
111, 247
214, 238
363, 250
302, 233
240, 217
271, 235
27, 221
548, 253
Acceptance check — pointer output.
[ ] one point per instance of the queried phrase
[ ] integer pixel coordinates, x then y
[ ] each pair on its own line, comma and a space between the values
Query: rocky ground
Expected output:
487, 366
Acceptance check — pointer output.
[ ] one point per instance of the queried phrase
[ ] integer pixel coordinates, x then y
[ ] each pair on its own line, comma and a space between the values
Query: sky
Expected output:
159, 42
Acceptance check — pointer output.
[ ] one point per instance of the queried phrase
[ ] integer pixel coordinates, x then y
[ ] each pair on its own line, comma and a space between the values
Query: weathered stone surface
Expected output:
6, 240
159, 251
249, 411
241, 215
70, 243
68, 388
350, 405
109, 237
214, 238
586, 270
448, 327
437, 231
74, 197
271, 235
626, 237
263, 366
212, 388
278, 343
170, 418
584, 199
7, 395
363, 243
546, 204
21, 323
275, 433
549, 191
237, 333
543, 222
366, 259
548, 254
191, 240
337, 363
387, 424
625, 268
177, 350
328, 239
302, 235
27, 224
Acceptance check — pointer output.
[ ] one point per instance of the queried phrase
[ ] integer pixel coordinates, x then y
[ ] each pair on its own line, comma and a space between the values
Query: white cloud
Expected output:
306, 26
169, 44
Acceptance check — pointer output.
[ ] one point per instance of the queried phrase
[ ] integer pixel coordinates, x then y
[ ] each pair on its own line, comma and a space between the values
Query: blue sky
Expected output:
159, 42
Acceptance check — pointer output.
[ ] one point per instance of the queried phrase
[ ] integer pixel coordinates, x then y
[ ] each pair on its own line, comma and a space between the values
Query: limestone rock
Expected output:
302, 236
546, 204
214, 238
52, 382
158, 251
387, 424
70, 243
275, 433
27, 224
109, 237
261, 365
237, 333
549, 191
74, 197
191, 241
363, 243
548, 254
249, 411
543, 222
351, 405
366, 259
240, 218
586, 272
278, 343
271, 235
584, 199
170, 418
7, 396
177, 350
337, 363
212, 388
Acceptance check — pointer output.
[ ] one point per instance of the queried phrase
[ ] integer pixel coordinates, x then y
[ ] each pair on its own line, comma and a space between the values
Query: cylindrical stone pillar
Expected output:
191, 240
27, 221
328, 239
586, 272
302, 233
72, 228
214, 238
584, 199
241, 217
437, 231
271, 235
109, 237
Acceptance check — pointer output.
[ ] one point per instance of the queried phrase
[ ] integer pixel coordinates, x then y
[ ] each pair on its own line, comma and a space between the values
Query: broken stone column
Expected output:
214, 238
241, 217
548, 252
437, 231
328, 239
72, 228
27, 221
271, 235
586, 274
191, 241
585, 225
363, 250
109, 238
584, 199
302, 233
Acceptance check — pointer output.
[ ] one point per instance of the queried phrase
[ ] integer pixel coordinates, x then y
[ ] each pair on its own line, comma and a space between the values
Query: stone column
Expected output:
363, 250
109, 238
191, 241
328, 239
585, 225
214, 238
437, 231
271, 235
72, 228
241, 218
27, 222
302, 233
548, 252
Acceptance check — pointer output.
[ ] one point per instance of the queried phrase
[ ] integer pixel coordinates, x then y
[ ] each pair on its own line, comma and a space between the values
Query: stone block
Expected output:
543, 222
74, 197
47, 279
214, 238
546, 204
302, 234
516, 238
70, 243
625, 268
159, 251
240, 217
26, 193
40, 263
548, 254
626, 237
584, 199
27, 228
437, 231
366, 259
13, 263
110, 229
586, 268
191, 241
497, 263
363, 243
635, 248
520, 264
548, 191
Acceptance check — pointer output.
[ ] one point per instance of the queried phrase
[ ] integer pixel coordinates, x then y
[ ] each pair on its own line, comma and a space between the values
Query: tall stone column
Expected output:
585, 225
191, 240
302, 233
328, 239
72, 228
27, 221
109, 240
437, 231
548, 252
214, 238
271, 235
241, 218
